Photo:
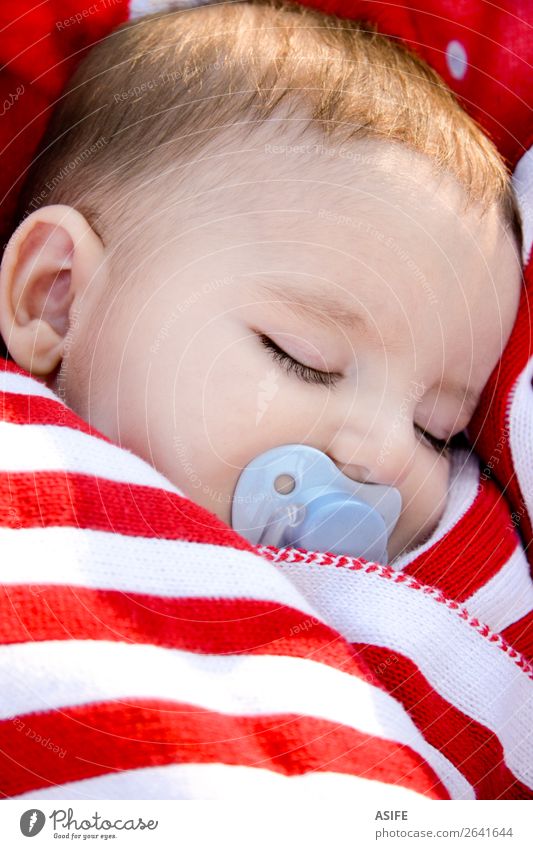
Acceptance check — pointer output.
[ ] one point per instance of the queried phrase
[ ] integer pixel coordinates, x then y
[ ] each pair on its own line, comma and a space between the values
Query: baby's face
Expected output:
337, 298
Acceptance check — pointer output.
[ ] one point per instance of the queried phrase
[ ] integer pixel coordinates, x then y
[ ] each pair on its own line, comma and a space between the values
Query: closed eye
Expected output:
303, 372
331, 380
442, 446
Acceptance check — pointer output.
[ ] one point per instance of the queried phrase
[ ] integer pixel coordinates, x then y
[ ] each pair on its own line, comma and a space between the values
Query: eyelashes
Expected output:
440, 445
305, 373
331, 380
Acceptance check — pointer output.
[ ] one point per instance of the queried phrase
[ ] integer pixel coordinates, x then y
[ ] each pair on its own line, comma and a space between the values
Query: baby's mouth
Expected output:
294, 495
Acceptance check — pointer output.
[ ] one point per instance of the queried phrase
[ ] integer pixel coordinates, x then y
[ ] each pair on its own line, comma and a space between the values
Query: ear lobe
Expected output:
53, 252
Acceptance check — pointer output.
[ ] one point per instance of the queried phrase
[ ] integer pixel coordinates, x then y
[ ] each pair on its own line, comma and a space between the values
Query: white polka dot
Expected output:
456, 59
138, 8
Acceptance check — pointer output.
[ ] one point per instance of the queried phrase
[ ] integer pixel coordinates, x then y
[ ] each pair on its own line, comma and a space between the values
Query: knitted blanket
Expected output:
148, 651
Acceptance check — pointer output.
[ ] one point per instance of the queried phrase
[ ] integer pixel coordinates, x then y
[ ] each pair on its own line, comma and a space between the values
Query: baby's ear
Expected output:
49, 261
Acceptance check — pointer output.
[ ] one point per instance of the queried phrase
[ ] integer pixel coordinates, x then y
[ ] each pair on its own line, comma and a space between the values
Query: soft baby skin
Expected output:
348, 302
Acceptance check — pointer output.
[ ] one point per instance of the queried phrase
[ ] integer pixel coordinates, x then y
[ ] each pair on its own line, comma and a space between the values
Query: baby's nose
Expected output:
380, 455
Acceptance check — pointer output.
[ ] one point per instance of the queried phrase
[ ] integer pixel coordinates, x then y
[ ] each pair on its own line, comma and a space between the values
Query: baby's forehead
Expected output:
284, 161
345, 214
331, 207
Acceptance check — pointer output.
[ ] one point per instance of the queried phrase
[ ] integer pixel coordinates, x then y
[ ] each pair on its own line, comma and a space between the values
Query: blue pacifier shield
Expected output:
294, 496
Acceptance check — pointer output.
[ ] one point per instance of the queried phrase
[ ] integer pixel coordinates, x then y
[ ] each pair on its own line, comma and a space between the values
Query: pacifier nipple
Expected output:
295, 496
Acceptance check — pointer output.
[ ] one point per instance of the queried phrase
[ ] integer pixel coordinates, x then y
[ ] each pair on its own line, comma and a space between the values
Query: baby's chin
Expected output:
399, 548
404, 541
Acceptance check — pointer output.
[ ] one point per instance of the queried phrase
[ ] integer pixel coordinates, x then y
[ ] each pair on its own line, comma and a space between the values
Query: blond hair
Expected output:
161, 88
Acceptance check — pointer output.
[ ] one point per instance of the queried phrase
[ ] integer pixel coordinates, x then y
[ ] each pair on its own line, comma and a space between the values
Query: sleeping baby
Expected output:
252, 226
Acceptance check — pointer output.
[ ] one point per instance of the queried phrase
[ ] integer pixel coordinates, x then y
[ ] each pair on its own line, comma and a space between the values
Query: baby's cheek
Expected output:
424, 499
247, 405
228, 409
430, 512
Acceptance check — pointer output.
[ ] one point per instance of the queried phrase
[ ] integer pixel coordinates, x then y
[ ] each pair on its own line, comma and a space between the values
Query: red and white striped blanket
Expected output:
148, 651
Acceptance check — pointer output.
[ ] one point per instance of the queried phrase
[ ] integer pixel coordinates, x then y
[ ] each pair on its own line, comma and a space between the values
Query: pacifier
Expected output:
294, 496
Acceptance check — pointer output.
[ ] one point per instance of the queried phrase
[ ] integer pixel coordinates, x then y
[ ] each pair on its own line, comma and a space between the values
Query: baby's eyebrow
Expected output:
322, 308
